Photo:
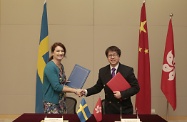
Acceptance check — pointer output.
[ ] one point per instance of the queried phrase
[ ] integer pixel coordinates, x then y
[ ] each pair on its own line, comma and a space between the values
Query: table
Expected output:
34, 117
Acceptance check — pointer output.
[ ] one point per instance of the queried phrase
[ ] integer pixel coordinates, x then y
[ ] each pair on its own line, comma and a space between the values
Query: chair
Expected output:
71, 105
103, 105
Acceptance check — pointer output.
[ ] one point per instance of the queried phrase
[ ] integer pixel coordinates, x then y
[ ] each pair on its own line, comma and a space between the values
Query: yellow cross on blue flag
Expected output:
83, 111
43, 57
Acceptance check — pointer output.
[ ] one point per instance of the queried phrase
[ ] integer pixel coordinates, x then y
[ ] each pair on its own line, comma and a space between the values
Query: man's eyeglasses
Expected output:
112, 55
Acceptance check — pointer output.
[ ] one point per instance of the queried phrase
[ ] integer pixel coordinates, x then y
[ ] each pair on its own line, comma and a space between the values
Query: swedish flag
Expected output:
83, 111
43, 57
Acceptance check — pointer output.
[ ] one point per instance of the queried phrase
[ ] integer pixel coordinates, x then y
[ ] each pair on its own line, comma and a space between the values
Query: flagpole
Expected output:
171, 15
167, 111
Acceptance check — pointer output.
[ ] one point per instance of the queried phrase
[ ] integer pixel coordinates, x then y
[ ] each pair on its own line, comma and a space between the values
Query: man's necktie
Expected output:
113, 72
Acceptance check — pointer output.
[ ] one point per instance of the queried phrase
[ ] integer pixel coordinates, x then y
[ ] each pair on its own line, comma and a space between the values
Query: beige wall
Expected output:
87, 28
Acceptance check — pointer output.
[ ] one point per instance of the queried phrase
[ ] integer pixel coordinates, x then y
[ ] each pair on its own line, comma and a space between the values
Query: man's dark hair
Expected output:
113, 48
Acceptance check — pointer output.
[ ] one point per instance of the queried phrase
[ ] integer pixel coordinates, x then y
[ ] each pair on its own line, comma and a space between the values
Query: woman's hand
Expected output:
79, 92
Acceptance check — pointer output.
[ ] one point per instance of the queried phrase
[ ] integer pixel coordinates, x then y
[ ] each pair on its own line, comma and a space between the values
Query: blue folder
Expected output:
78, 77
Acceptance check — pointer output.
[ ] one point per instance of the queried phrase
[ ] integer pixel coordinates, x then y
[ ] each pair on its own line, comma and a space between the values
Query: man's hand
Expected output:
117, 94
80, 92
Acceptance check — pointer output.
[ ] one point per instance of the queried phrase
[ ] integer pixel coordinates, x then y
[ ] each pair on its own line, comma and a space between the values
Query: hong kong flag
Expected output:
98, 111
168, 81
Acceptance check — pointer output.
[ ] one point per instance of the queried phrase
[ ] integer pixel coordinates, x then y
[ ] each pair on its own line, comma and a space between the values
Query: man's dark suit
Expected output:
112, 105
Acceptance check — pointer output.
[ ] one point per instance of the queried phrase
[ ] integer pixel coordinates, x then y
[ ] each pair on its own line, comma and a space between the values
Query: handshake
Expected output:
81, 92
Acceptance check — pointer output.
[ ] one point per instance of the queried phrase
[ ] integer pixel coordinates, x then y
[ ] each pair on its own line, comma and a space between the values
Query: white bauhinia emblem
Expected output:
170, 66
98, 109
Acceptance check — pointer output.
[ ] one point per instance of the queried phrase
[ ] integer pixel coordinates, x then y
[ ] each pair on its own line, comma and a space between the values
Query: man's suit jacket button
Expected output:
118, 102
103, 85
110, 102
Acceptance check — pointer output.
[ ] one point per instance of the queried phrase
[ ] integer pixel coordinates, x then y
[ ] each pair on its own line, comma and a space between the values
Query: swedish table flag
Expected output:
83, 111
43, 57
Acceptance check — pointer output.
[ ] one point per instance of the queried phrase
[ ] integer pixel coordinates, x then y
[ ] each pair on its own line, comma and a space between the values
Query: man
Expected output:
118, 100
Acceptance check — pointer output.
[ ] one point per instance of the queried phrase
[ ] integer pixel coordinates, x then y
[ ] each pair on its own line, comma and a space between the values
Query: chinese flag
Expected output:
168, 81
98, 111
143, 98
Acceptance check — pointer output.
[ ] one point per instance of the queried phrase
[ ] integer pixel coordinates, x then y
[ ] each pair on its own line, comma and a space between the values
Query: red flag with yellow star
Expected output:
143, 98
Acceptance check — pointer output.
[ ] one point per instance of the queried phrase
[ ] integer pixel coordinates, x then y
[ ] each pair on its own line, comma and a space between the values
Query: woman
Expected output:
53, 82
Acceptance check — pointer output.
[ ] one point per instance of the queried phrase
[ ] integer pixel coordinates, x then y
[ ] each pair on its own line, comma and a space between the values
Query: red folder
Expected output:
118, 83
